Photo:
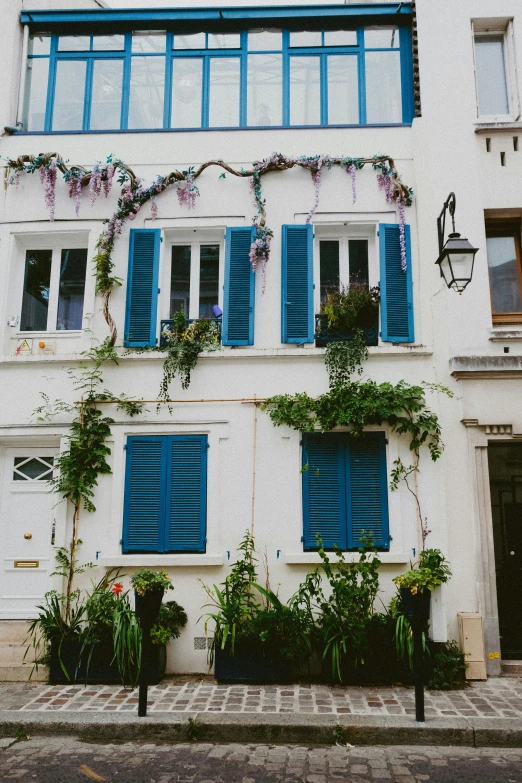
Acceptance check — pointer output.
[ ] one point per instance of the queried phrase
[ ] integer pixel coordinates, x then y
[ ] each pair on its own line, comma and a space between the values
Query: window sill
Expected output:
312, 558
503, 335
498, 125
163, 561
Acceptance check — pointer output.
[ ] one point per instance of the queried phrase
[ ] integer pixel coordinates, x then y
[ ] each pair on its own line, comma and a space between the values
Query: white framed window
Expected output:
193, 273
50, 274
344, 255
495, 70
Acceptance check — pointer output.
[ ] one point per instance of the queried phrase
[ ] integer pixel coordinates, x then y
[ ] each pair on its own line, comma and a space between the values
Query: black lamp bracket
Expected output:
450, 204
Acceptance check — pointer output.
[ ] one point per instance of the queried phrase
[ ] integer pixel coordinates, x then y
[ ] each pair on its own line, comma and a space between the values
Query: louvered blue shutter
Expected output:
396, 286
186, 494
144, 505
324, 490
240, 287
297, 285
142, 288
367, 489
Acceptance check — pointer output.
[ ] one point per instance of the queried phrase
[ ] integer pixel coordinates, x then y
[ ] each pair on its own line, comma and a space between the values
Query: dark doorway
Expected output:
505, 478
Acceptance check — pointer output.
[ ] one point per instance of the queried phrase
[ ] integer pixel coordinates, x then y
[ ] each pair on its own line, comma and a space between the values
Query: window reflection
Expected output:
343, 90
381, 38
504, 274
383, 87
147, 87
148, 43
265, 89
74, 43
208, 279
491, 75
306, 38
187, 87
224, 92
71, 289
107, 79
69, 92
37, 282
305, 91
265, 40
35, 99
180, 280
224, 41
191, 41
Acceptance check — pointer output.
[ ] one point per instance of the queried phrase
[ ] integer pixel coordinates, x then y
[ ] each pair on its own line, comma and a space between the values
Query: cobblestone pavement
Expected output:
494, 698
65, 760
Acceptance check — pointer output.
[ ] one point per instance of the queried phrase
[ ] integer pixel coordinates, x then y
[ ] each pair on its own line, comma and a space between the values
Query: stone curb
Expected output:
268, 729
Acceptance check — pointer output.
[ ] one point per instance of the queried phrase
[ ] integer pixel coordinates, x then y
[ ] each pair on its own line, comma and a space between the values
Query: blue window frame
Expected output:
165, 506
200, 80
345, 490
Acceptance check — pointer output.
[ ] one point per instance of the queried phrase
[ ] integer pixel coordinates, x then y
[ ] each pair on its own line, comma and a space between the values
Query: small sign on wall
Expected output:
24, 347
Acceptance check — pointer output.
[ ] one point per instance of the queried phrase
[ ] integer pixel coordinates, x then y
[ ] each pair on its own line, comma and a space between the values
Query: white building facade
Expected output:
173, 88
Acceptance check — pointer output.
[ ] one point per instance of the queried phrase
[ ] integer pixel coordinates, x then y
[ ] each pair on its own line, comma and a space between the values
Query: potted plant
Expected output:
149, 588
347, 312
172, 617
415, 585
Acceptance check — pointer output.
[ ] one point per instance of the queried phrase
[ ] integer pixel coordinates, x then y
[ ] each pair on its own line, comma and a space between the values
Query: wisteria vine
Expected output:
134, 194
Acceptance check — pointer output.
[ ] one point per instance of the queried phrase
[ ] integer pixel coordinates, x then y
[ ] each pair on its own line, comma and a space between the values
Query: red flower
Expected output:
117, 588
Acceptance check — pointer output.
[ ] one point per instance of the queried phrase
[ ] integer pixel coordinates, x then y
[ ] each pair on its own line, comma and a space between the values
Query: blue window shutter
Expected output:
186, 480
396, 286
240, 287
297, 285
367, 489
142, 288
324, 490
144, 494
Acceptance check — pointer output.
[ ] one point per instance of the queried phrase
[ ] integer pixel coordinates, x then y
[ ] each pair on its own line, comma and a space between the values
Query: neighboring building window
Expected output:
194, 267
345, 490
505, 270
256, 78
54, 287
33, 468
165, 506
342, 262
495, 69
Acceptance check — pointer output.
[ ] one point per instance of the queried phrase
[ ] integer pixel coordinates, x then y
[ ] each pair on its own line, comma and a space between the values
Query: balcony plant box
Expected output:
346, 312
97, 666
250, 664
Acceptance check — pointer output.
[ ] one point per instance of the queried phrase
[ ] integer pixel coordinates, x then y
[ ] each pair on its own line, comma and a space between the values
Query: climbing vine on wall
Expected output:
135, 194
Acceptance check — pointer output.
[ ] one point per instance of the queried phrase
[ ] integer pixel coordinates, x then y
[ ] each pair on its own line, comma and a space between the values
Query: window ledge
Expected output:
163, 561
501, 335
312, 558
498, 125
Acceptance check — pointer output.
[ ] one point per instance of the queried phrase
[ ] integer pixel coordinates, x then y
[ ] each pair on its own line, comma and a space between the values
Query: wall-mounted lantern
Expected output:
457, 256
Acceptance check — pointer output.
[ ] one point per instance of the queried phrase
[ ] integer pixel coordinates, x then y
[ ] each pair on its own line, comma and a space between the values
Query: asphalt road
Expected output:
66, 760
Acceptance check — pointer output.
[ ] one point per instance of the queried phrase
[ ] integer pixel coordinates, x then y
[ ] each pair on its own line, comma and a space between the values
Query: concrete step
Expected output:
13, 653
511, 668
13, 630
22, 673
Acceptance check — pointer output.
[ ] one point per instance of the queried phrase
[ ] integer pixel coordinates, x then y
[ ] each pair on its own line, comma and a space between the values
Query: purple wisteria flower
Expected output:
48, 180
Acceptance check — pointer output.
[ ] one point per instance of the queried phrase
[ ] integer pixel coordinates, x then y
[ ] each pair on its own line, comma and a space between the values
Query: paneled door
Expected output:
27, 524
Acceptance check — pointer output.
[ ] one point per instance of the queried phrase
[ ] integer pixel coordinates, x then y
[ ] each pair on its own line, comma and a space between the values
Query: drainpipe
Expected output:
10, 129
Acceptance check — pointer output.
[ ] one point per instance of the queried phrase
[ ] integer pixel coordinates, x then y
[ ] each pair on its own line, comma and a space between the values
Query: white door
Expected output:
27, 524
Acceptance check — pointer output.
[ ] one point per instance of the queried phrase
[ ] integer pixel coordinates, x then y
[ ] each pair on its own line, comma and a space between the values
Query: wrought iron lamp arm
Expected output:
450, 203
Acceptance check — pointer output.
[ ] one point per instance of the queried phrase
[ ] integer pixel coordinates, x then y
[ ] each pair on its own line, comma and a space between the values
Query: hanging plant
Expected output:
183, 344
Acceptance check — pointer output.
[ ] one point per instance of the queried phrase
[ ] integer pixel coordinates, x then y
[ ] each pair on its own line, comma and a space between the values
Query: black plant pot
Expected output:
250, 664
416, 607
96, 664
148, 606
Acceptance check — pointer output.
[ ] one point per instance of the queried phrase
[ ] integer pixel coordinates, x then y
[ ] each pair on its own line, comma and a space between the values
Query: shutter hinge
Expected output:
313, 286
159, 290
377, 233
121, 541
208, 445
125, 447
156, 341
205, 540
302, 539
161, 239
390, 538
386, 441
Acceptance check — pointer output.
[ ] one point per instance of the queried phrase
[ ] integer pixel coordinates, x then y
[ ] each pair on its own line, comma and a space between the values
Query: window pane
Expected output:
147, 87
148, 43
224, 41
261, 40
491, 76
35, 99
69, 94
39, 44
504, 278
358, 260
306, 38
74, 43
343, 90
329, 267
208, 279
383, 87
191, 41
381, 38
340, 38
224, 92
71, 289
305, 93
108, 43
107, 79
187, 81
265, 89
35, 303
180, 280
33, 468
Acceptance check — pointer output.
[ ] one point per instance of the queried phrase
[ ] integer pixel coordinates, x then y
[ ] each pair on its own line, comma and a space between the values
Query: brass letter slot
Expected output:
26, 563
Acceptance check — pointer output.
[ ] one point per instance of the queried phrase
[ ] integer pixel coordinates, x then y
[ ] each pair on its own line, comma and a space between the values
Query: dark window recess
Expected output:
71, 289
208, 279
180, 279
358, 259
37, 283
329, 267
